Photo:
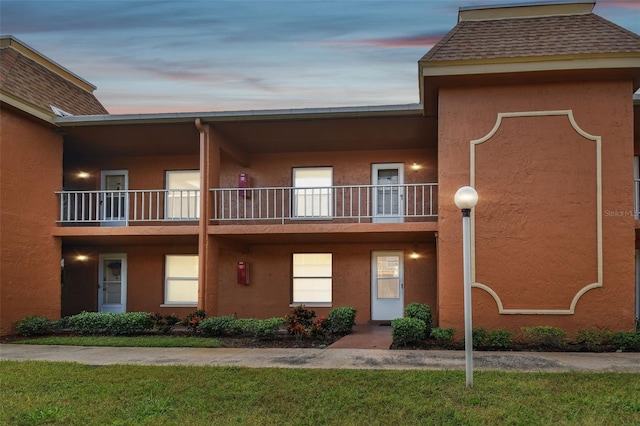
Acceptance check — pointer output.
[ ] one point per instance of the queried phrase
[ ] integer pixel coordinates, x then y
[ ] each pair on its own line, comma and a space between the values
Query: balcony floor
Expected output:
407, 232
127, 235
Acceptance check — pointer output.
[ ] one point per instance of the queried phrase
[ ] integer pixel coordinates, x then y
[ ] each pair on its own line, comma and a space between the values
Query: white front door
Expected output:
387, 285
388, 192
112, 284
114, 205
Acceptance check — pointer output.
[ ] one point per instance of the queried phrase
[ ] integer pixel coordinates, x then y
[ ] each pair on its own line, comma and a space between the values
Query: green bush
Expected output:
408, 330
592, 338
267, 329
443, 335
420, 311
128, 323
244, 326
478, 336
217, 326
341, 320
35, 325
627, 340
545, 336
499, 339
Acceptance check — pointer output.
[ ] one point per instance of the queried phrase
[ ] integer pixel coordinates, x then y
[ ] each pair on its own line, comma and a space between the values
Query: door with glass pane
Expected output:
388, 192
114, 206
387, 285
112, 284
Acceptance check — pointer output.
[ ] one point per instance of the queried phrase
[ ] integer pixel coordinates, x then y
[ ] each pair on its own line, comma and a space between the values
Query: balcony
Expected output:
339, 204
119, 208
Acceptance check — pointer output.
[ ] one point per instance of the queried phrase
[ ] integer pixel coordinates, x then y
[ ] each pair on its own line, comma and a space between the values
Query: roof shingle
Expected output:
32, 82
584, 34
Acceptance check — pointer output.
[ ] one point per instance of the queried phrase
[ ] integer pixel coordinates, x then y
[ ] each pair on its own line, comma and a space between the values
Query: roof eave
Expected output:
252, 115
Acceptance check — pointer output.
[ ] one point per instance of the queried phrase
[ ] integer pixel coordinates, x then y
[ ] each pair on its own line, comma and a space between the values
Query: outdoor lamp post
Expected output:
466, 199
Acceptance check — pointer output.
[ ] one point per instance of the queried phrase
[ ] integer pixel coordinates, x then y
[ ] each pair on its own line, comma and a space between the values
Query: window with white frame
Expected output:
312, 278
312, 194
181, 279
183, 195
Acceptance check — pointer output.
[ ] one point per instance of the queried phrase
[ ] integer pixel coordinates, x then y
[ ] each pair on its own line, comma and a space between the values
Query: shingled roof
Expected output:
42, 86
533, 31
587, 34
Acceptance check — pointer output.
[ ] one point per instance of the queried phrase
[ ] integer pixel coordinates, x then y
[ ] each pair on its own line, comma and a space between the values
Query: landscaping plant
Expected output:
545, 337
408, 330
341, 320
35, 325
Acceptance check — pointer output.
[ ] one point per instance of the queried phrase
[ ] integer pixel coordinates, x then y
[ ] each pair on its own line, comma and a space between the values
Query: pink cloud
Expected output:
421, 40
623, 4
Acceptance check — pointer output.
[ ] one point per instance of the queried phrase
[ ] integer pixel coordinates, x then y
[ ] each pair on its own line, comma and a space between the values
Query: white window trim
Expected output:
316, 304
166, 284
329, 195
177, 218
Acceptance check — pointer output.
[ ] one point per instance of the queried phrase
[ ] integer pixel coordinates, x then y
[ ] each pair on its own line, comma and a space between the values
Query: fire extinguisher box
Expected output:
243, 273
243, 183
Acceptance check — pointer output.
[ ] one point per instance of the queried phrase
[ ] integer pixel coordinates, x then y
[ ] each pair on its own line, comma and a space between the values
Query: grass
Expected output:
34, 393
121, 341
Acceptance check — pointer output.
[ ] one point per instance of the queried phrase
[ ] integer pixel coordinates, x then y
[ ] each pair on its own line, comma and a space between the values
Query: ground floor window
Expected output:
312, 278
181, 279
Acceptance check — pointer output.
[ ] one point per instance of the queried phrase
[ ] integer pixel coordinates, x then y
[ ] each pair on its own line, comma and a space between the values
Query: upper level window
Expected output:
312, 196
183, 195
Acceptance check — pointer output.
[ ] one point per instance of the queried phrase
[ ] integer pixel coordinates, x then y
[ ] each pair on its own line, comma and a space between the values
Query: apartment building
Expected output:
254, 212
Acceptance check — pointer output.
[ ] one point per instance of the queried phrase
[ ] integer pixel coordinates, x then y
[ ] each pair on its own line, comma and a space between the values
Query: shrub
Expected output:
35, 325
408, 330
268, 328
341, 320
192, 321
627, 340
244, 326
545, 336
165, 324
217, 326
420, 311
478, 336
443, 335
300, 321
128, 323
499, 339
591, 339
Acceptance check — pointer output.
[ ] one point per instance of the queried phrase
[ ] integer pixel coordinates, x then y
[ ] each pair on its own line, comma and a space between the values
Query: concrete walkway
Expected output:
327, 358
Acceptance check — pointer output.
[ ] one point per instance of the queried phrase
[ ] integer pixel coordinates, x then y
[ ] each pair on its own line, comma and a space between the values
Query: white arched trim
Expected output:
584, 134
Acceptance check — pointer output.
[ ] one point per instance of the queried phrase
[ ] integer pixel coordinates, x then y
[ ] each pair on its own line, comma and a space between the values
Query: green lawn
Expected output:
121, 341
35, 393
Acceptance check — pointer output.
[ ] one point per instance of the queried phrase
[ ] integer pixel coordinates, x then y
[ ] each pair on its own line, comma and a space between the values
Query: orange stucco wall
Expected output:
349, 167
269, 292
145, 277
535, 223
31, 164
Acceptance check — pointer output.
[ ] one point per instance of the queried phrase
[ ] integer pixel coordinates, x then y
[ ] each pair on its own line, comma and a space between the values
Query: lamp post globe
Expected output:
466, 198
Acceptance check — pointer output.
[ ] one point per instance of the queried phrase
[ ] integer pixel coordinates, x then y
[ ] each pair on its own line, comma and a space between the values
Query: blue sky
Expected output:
193, 55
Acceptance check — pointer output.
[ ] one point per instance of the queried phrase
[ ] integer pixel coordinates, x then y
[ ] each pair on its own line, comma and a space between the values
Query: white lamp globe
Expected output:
466, 198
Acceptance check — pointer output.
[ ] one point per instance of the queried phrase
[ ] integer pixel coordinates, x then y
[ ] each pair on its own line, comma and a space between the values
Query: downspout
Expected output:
202, 222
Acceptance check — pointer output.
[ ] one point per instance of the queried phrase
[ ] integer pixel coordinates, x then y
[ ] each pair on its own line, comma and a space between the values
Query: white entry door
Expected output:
387, 285
114, 204
388, 192
112, 284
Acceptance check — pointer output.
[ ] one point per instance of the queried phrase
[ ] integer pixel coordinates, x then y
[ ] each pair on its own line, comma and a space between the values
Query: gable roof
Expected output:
531, 37
30, 78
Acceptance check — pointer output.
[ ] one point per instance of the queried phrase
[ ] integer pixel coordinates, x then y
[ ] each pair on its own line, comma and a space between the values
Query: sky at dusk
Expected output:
150, 56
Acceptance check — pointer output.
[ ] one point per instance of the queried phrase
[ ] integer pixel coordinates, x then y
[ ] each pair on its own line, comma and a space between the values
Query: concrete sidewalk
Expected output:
327, 358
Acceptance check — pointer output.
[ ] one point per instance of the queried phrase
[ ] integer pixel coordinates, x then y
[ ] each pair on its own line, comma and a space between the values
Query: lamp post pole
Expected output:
466, 198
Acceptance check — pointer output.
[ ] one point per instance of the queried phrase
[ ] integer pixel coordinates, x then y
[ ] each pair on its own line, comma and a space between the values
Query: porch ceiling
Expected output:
299, 135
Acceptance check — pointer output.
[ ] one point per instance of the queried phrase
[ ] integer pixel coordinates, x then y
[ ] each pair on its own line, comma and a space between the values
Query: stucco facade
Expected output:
547, 141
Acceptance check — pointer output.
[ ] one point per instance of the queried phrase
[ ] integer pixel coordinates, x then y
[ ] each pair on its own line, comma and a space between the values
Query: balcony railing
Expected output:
121, 207
359, 203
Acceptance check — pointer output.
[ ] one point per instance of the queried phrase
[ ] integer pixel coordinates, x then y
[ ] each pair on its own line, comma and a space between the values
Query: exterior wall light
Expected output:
416, 166
466, 198
83, 175
82, 257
